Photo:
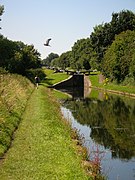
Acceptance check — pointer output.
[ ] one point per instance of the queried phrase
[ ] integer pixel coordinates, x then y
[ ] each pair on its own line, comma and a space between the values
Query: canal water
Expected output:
107, 123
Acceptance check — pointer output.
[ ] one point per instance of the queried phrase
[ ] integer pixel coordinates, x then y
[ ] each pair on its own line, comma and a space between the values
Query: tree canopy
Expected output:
88, 53
109, 48
48, 60
104, 34
17, 57
119, 60
1, 11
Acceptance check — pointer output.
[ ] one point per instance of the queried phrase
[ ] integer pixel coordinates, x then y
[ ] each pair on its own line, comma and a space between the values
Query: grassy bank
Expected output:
14, 93
42, 148
94, 78
53, 78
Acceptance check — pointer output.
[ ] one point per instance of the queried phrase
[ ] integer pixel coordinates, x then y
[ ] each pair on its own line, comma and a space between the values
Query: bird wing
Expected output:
47, 42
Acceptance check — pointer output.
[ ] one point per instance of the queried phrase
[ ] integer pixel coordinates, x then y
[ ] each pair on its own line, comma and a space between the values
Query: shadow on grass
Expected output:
47, 82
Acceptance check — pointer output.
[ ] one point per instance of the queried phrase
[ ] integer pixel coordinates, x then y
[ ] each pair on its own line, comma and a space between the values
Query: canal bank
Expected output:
42, 147
107, 122
100, 83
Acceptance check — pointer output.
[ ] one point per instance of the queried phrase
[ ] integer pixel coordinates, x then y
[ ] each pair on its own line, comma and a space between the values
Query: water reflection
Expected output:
76, 93
111, 119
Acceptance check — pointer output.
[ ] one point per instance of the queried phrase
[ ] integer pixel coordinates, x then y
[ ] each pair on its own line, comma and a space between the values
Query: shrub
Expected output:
30, 74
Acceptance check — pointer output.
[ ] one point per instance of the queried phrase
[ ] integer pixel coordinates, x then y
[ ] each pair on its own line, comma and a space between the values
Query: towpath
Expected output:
42, 148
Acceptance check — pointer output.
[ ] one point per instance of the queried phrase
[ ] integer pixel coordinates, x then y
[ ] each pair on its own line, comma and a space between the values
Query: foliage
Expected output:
17, 57
3, 71
81, 53
49, 59
31, 73
89, 53
119, 61
1, 11
104, 34
63, 61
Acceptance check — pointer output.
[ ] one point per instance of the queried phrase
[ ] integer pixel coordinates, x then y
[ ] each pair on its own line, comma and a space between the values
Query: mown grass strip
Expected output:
42, 148
53, 78
110, 86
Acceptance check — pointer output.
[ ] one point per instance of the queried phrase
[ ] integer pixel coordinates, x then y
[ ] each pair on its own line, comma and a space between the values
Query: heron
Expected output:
47, 42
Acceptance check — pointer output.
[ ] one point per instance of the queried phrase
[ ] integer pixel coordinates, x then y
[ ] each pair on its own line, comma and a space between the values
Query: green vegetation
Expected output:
50, 57
14, 93
109, 49
42, 146
110, 86
1, 11
53, 78
17, 57
119, 60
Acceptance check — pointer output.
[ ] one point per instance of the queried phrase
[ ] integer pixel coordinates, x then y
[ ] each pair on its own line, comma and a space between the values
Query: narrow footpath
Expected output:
42, 148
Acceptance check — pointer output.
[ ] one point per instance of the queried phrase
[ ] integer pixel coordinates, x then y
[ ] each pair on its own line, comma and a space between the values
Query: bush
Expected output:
3, 71
30, 74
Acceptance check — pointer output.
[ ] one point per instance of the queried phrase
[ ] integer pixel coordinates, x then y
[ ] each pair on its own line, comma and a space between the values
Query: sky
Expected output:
64, 21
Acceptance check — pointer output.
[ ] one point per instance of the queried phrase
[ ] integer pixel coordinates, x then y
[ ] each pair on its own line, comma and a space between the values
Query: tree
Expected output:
132, 67
63, 61
1, 11
81, 54
50, 57
119, 60
7, 49
104, 34
17, 57
25, 57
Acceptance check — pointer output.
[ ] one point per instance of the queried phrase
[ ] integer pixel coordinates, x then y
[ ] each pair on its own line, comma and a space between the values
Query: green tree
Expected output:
25, 57
7, 49
55, 63
63, 61
1, 11
16, 57
104, 34
119, 61
132, 67
50, 57
81, 54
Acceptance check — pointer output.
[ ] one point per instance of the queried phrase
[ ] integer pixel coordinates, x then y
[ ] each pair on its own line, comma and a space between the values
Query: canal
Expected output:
107, 123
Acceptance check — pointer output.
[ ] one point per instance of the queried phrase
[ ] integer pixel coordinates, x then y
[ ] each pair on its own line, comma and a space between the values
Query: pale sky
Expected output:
65, 21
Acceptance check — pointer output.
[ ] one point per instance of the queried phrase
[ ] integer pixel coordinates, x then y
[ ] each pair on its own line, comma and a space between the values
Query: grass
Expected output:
111, 86
42, 146
53, 78
14, 93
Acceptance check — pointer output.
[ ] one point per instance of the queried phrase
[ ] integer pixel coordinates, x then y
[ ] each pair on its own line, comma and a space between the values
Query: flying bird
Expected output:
47, 42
